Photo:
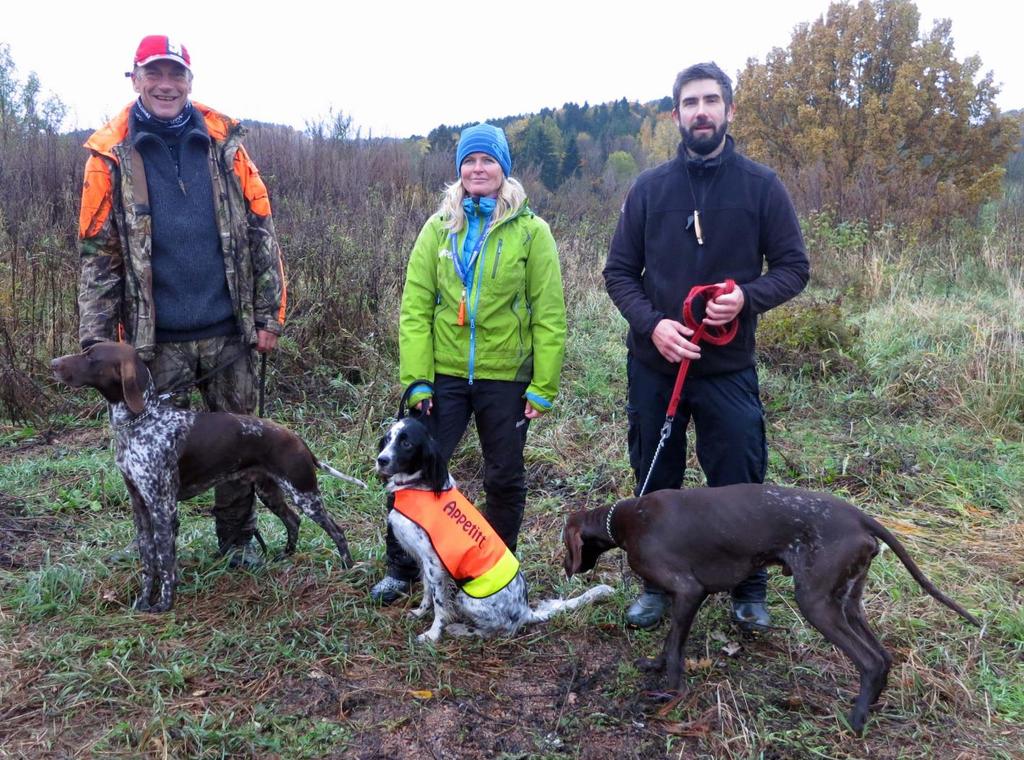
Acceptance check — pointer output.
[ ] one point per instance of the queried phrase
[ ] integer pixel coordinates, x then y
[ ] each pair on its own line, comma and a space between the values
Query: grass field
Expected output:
903, 402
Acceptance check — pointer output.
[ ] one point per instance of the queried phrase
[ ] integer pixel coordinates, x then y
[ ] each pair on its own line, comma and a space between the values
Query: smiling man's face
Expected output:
164, 87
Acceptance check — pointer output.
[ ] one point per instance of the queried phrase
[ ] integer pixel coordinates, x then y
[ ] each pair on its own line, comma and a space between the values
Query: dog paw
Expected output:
667, 698
429, 637
141, 604
418, 613
651, 665
458, 629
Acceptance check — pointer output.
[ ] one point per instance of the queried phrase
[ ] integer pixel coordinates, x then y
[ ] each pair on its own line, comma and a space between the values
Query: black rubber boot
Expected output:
751, 616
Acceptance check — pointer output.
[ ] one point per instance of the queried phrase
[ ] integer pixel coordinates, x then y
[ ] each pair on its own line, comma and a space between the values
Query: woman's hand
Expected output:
530, 413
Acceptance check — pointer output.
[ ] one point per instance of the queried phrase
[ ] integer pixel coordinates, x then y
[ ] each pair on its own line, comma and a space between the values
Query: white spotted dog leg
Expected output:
164, 519
425, 605
313, 507
147, 555
434, 583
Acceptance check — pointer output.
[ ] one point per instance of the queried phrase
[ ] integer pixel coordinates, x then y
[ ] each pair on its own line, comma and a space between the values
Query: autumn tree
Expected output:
659, 138
540, 144
868, 118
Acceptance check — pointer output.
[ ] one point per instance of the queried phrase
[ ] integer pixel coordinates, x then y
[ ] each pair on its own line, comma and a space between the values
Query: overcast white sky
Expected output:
401, 68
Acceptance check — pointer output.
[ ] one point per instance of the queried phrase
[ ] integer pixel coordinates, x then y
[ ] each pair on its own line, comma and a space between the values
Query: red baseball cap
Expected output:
160, 47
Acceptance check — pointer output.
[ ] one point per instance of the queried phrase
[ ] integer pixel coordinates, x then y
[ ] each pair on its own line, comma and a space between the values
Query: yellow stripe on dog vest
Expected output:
469, 548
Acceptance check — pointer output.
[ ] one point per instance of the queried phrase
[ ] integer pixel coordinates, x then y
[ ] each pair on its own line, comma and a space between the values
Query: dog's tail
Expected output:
340, 475
880, 531
551, 607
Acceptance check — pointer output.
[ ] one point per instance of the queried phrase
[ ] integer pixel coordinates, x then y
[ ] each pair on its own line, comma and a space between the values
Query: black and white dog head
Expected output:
409, 456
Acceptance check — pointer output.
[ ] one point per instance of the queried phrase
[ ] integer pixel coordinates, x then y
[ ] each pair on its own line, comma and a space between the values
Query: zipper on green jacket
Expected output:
478, 284
497, 258
519, 323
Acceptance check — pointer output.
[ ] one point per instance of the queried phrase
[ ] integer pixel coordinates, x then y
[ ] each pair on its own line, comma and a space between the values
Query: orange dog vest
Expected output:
468, 547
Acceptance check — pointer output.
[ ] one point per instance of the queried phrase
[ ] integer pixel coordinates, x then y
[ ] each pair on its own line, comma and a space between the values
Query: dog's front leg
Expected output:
425, 605
144, 539
435, 584
164, 535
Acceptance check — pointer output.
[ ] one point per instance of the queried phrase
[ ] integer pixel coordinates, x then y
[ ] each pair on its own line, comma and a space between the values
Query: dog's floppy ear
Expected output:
573, 549
435, 471
133, 375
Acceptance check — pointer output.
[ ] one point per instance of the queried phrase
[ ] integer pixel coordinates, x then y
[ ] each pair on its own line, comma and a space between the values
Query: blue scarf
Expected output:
478, 220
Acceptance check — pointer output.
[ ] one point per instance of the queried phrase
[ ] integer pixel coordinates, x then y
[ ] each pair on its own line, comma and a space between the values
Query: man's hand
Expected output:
724, 309
265, 341
670, 338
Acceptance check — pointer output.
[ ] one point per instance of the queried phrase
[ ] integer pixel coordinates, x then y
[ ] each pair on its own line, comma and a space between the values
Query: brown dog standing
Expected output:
697, 541
167, 455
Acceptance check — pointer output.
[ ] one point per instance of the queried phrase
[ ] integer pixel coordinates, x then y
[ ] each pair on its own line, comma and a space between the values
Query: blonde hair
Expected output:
511, 198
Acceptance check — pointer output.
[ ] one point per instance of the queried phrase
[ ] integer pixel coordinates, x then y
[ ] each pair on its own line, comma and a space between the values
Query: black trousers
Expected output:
497, 406
729, 425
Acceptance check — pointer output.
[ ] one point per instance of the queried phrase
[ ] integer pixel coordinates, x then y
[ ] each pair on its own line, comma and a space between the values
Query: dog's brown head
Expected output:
114, 369
585, 540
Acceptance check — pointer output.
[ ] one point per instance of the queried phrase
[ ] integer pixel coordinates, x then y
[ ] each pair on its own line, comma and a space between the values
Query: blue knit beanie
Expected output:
484, 138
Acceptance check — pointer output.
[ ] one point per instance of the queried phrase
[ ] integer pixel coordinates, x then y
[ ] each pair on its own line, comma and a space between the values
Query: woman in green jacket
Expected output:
483, 319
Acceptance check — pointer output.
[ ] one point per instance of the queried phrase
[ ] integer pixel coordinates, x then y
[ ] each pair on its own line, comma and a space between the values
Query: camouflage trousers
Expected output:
230, 389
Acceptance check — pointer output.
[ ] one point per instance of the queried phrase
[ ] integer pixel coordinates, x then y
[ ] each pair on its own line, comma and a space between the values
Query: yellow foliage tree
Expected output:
659, 138
866, 118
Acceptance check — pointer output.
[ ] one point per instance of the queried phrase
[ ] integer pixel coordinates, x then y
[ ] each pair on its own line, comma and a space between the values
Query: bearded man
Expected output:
708, 215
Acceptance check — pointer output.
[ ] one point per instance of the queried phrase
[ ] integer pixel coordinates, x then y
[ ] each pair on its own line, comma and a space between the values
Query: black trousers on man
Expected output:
497, 406
729, 425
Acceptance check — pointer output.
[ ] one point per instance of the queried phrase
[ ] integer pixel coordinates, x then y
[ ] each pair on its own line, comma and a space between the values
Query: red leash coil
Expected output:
716, 335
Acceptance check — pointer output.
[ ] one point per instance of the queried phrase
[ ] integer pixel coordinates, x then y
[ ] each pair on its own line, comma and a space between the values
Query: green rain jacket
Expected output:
514, 320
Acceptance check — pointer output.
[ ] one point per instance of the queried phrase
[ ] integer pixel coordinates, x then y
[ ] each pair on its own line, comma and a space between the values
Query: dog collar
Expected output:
608, 523
130, 423
150, 403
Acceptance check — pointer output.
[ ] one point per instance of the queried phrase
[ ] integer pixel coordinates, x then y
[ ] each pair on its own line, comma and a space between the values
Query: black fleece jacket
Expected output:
747, 220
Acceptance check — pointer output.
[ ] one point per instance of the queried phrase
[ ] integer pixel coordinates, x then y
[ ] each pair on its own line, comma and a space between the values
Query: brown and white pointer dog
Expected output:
697, 541
167, 455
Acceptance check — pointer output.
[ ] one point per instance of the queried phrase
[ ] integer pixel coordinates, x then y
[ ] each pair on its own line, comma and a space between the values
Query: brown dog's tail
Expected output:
880, 531
340, 475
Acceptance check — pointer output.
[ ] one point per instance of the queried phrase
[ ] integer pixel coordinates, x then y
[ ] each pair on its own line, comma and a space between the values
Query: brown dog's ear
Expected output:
130, 383
573, 550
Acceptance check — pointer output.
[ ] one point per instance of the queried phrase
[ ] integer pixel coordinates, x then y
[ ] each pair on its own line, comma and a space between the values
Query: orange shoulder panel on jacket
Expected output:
110, 134
217, 124
252, 185
96, 197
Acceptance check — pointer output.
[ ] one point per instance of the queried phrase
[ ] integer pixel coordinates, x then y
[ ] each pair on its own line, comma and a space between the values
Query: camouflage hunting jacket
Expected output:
115, 295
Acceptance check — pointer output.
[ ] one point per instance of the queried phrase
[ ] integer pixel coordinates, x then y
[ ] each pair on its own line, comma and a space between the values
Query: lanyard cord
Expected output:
694, 218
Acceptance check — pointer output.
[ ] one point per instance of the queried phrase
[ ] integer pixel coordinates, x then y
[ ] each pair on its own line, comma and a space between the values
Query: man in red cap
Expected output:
179, 254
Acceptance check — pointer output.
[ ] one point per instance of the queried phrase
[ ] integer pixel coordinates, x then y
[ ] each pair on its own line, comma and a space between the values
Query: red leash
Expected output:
716, 335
